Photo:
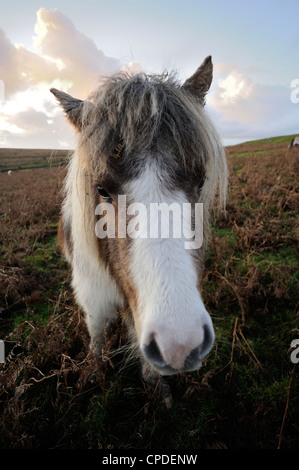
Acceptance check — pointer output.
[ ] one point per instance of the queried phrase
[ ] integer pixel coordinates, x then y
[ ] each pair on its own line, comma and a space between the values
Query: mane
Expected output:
144, 113
140, 109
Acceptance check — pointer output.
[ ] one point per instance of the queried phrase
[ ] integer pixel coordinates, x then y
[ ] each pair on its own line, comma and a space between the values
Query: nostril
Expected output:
197, 354
153, 353
192, 360
208, 340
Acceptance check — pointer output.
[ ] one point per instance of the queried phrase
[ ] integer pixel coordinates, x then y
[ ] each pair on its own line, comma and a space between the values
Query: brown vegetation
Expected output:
15, 159
55, 394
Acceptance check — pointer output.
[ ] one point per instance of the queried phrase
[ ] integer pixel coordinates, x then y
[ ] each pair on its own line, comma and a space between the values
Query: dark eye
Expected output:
104, 193
199, 189
200, 186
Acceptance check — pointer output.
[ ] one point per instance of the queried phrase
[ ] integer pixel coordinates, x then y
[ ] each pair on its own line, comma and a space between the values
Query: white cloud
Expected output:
65, 59
234, 86
77, 57
243, 109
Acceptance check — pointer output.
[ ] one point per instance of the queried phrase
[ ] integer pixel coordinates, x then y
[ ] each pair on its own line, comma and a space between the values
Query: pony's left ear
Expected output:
72, 107
200, 82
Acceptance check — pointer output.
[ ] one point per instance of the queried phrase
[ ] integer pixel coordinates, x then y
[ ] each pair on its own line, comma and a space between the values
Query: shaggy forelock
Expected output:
152, 115
143, 112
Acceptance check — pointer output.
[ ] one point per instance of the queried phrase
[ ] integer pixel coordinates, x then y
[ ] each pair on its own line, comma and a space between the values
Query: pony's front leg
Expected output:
96, 323
99, 297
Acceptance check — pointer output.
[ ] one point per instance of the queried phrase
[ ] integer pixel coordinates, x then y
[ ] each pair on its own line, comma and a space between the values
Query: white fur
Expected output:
164, 273
95, 290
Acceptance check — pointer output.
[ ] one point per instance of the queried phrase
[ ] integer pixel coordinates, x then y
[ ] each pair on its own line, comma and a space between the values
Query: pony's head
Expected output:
145, 142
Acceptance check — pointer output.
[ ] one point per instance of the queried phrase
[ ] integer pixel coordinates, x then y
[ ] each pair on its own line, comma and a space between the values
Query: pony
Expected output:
294, 142
149, 138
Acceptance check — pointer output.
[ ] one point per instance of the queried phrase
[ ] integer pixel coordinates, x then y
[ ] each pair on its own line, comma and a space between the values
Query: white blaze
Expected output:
164, 273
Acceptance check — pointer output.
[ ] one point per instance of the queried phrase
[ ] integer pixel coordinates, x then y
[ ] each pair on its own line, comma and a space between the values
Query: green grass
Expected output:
39, 315
282, 256
225, 233
44, 256
244, 154
272, 140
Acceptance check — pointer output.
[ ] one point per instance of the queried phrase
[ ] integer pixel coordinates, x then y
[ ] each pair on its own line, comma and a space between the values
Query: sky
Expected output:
69, 45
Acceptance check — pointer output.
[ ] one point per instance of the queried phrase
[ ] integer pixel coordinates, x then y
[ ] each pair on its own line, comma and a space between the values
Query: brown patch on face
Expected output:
115, 253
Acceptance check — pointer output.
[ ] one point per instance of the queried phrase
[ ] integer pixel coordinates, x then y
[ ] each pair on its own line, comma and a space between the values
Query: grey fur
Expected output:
152, 116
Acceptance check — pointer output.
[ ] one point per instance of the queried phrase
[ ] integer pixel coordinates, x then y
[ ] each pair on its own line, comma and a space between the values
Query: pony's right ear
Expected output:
72, 107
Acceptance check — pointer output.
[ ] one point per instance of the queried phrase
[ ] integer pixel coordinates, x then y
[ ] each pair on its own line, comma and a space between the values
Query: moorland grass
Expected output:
55, 394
